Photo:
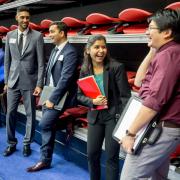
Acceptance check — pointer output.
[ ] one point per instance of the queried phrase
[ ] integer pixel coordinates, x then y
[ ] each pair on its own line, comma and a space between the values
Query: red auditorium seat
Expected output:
79, 111
134, 15
100, 23
3, 31
131, 77
175, 5
135, 29
73, 22
176, 153
81, 122
13, 27
45, 23
135, 19
45, 26
98, 18
3, 1
75, 25
34, 26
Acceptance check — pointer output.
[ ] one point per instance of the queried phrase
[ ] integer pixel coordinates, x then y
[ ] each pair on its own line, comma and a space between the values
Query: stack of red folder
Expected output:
90, 89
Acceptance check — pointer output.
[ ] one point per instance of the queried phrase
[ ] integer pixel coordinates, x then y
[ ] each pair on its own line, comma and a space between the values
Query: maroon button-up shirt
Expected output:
160, 89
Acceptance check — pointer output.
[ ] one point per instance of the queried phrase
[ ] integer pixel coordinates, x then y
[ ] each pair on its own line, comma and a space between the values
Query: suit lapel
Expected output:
28, 39
106, 79
60, 54
15, 35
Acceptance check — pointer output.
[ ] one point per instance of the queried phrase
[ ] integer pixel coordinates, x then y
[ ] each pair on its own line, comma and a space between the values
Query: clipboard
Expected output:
46, 93
127, 117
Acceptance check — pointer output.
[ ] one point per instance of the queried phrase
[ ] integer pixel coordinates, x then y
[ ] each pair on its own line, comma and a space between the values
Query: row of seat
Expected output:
4, 1
131, 20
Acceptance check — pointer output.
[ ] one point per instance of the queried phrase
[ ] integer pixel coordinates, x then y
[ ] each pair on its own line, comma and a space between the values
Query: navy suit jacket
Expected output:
64, 74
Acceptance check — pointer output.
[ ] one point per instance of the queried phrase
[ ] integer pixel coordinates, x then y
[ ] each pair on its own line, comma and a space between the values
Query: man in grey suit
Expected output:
24, 74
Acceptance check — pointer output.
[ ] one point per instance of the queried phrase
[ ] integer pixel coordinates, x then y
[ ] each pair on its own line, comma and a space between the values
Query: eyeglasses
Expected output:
150, 28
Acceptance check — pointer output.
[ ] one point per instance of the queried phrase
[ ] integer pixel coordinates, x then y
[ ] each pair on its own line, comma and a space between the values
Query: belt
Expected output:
168, 124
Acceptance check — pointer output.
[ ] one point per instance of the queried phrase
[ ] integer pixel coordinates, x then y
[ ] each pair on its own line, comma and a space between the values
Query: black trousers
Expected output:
103, 128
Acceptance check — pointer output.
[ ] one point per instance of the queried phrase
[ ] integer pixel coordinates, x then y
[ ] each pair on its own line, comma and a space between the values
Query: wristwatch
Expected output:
130, 134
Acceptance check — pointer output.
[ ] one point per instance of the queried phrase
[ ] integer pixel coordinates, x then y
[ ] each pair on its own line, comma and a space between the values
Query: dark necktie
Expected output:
51, 63
20, 45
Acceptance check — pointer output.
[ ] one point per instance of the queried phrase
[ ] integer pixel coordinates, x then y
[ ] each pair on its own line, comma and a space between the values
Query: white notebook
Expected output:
127, 117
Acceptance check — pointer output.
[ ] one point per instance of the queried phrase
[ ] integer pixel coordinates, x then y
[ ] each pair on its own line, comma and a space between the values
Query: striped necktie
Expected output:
51, 63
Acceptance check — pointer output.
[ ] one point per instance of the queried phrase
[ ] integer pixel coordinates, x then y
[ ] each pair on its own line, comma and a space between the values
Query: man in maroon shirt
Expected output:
159, 78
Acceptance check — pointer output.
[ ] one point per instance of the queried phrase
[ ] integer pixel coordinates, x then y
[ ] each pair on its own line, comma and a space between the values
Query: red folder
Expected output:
90, 89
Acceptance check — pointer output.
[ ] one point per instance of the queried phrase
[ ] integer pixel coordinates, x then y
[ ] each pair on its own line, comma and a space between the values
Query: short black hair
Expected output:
168, 19
23, 8
61, 26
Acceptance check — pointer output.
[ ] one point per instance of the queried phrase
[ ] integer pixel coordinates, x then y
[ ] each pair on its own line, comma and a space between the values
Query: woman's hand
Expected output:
100, 100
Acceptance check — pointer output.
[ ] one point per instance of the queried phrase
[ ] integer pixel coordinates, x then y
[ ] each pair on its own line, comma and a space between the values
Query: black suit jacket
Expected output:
116, 87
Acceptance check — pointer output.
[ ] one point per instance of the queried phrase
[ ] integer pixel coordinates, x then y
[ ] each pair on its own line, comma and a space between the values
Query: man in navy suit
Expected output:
61, 70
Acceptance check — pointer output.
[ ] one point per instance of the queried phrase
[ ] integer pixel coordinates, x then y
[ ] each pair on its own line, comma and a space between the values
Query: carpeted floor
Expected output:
14, 166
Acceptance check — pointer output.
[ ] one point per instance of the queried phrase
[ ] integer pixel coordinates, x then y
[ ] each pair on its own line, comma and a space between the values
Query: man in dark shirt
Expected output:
160, 91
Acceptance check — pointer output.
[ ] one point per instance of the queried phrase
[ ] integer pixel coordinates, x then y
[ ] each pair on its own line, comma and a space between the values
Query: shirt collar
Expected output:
61, 46
165, 46
24, 32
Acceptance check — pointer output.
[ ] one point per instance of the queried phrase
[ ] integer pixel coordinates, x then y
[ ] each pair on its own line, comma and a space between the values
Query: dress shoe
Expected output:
9, 150
38, 167
26, 150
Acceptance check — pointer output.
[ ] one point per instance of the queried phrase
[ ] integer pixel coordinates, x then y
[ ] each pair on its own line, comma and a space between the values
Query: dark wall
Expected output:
130, 54
110, 8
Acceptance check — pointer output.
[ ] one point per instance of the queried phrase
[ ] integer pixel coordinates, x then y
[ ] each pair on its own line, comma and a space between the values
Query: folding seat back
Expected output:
175, 5
101, 23
3, 1
13, 27
3, 31
45, 26
75, 25
135, 19
34, 26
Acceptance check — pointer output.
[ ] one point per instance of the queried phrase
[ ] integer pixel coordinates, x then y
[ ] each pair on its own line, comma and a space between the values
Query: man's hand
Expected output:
49, 104
127, 143
37, 91
5, 88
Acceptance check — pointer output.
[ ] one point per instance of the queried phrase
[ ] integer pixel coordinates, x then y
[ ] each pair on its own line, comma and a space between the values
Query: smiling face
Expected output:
98, 52
56, 35
156, 37
23, 19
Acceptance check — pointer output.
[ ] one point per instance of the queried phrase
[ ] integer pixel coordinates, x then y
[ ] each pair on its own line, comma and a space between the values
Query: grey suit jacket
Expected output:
28, 68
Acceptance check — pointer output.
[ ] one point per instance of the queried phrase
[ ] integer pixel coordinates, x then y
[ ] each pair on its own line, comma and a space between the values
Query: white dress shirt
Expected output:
60, 47
24, 37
